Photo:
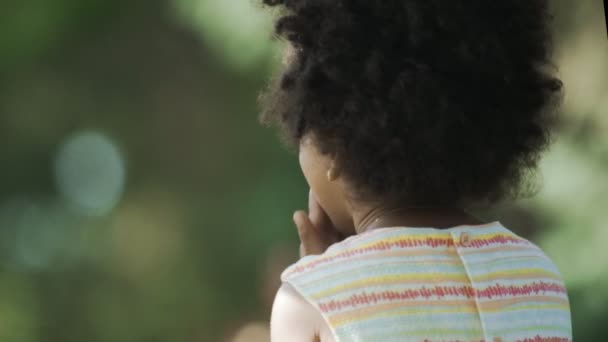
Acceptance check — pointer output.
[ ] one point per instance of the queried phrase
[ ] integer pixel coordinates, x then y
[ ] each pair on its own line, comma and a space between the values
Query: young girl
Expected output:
407, 114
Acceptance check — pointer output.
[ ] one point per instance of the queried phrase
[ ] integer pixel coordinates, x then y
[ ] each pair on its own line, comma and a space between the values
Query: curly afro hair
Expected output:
421, 102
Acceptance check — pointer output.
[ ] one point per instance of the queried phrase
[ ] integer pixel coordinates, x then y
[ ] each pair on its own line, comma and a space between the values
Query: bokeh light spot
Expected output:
38, 233
90, 172
253, 332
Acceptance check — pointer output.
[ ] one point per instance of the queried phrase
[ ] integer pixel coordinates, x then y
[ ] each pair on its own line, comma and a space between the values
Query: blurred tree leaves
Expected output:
238, 30
29, 28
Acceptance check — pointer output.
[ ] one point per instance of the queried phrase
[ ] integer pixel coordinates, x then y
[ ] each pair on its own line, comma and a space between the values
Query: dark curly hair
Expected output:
421, 102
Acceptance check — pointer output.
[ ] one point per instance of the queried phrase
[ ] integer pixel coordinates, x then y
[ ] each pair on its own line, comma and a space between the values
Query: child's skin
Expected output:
330, 218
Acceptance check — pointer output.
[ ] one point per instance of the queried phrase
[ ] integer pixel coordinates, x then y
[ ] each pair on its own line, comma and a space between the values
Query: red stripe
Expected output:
538, 338
407, 243
440, 292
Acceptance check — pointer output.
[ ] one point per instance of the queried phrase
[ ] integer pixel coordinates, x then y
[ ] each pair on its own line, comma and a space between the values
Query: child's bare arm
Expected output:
293, 319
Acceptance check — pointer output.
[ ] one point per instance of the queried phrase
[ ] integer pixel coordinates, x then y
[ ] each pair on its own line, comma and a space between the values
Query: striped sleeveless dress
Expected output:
465, 283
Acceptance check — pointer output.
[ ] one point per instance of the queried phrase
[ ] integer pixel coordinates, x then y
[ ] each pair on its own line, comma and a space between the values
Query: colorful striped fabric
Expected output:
466, 283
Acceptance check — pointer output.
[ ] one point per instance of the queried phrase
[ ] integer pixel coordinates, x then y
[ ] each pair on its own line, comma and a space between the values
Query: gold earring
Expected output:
331, 174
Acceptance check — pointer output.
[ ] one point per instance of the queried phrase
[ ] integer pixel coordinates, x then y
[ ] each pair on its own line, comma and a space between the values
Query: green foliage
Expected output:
237, 30
30, 28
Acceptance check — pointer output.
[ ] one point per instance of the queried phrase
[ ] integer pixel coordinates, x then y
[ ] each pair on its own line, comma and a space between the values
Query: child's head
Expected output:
415, 102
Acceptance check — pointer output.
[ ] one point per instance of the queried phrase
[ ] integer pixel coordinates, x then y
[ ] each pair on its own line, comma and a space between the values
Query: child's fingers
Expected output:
312, 243
313, 207
318, 216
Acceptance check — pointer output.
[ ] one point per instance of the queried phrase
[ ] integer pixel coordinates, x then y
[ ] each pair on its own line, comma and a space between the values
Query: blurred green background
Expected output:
141, 201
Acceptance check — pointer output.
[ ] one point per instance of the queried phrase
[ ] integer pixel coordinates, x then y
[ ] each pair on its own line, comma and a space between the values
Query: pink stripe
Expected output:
440, 292
498, 239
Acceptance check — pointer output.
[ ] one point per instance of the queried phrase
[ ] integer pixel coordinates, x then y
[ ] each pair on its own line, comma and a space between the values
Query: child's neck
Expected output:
436, 217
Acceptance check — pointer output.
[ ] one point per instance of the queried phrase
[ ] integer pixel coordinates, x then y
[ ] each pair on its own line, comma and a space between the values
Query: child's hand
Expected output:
315, 229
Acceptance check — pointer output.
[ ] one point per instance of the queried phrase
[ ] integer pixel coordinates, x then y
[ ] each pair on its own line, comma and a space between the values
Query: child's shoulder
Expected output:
491, 240
367, 248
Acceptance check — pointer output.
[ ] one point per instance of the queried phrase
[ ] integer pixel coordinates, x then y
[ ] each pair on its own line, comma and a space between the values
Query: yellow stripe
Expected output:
359, 314
392, 279
444, 236
497, 249
431, 278
340, 274
380, 241
522, 273
455, 261
447, 306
